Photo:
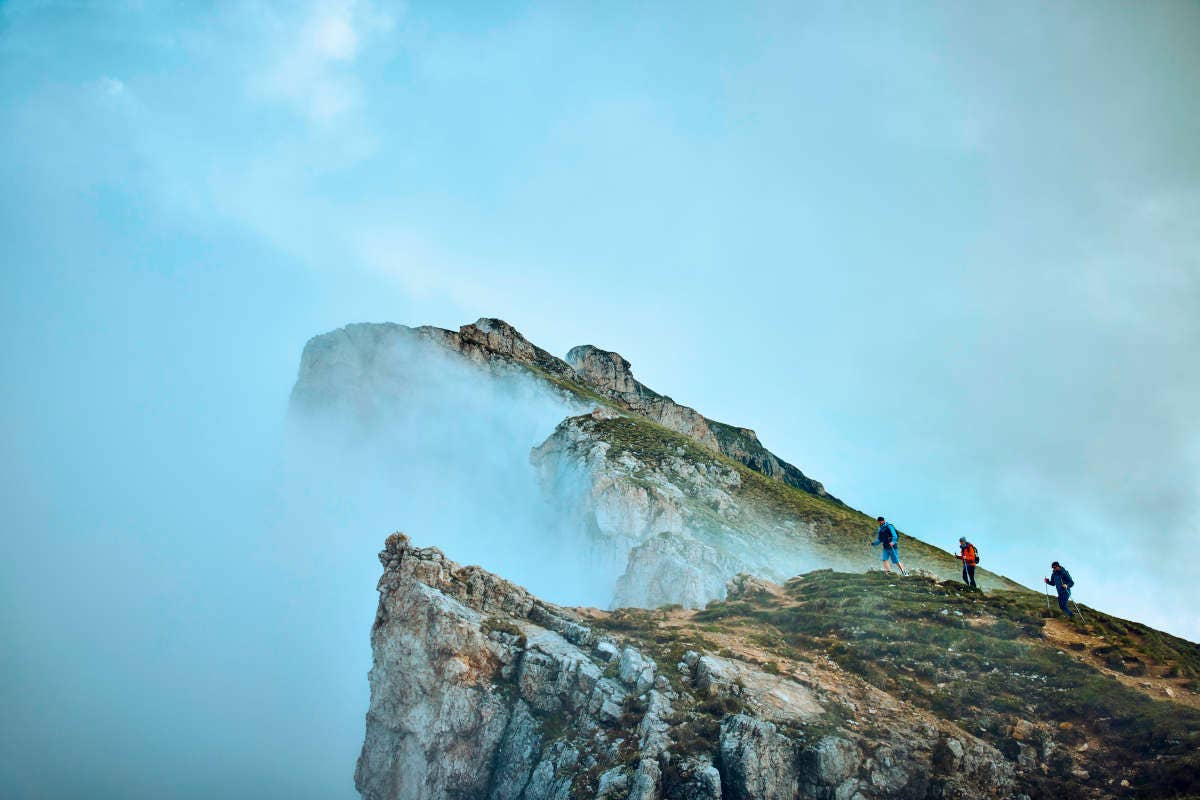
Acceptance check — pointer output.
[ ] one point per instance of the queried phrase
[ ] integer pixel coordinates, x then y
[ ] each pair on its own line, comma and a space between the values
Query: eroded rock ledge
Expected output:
481, 690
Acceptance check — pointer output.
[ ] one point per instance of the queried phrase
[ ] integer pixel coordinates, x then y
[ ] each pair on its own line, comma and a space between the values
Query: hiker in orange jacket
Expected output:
969, 556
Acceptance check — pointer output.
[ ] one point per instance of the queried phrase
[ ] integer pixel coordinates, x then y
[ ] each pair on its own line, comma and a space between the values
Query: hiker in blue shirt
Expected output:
1060, 579
887, 537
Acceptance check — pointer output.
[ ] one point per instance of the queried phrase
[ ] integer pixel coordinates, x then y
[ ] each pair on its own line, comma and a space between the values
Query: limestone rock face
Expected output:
654, 516
605, 371
742, 444
494, 340
611, 375
338, 369
481, 690
673, 569
672, 520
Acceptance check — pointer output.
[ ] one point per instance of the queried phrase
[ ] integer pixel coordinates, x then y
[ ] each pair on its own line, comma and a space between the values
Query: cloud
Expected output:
312, 69
110, 86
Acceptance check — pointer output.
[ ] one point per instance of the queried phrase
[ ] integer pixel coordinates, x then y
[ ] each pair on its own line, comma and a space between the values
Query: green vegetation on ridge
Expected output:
839, 531
985, 663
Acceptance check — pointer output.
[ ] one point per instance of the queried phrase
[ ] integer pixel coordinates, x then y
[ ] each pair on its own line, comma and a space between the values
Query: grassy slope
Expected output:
981, 661
841, 532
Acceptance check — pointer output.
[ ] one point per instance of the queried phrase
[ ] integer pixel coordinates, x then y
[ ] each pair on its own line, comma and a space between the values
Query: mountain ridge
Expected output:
670, 504
744, 654
591, 374
481, 690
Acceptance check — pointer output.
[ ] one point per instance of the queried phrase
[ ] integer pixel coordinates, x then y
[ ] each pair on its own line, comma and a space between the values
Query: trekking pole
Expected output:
1079, 611
1046, 592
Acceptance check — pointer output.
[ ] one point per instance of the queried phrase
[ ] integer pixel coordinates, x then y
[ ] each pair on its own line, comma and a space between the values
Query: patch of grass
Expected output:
835, 530
978, 659
500, 625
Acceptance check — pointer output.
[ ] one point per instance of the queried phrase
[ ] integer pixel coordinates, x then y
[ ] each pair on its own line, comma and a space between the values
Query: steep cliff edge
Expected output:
662, 505
832, 685
686, 519
480, 690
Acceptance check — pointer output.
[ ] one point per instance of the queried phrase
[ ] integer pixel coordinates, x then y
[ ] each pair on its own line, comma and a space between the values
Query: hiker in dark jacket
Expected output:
970, 557
1060, 579
887, 537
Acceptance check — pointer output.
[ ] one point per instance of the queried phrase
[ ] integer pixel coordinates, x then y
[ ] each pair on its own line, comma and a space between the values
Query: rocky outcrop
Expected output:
676, 521
673, 519
674, 569
742, 444
337, 370
347, 370
493, 341
610, 374
480, 690
657, 503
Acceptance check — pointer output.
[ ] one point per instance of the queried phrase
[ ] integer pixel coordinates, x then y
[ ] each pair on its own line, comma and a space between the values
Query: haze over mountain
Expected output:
940, 257
633, 498
792, 681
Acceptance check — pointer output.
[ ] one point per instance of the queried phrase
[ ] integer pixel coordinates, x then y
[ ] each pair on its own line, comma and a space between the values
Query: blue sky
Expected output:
942, 257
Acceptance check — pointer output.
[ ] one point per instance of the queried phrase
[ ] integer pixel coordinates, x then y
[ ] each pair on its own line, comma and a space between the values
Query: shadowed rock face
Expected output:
334, 364
480, 690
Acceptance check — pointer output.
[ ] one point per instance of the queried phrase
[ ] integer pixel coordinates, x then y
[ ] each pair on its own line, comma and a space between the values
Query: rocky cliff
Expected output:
666, 504
737, 664
684, 520
335, 366
480, 690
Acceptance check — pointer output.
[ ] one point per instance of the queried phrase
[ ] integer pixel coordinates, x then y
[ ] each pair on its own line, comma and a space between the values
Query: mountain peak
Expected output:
604, 370
343, 360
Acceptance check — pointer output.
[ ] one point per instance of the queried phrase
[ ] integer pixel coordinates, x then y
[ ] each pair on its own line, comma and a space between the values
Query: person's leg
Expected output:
885, 558
1063, 597
971, 573
966, 579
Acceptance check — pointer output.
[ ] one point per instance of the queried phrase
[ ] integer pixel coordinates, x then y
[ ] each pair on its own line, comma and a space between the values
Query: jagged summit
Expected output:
610, 372
345, 356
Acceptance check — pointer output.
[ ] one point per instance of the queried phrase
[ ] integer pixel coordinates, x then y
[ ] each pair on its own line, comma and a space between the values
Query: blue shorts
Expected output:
892, 553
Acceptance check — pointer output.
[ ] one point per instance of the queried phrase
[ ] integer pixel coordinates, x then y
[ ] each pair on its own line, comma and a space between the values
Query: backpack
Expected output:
887, 537
974, 552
